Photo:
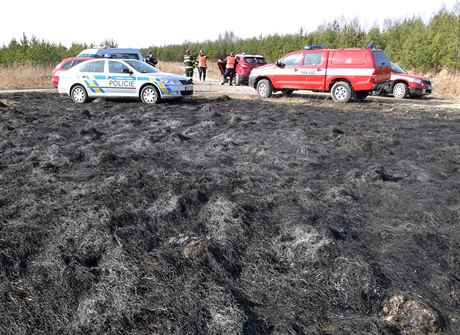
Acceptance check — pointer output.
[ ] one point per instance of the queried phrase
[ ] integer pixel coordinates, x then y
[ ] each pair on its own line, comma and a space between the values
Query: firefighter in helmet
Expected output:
189, 64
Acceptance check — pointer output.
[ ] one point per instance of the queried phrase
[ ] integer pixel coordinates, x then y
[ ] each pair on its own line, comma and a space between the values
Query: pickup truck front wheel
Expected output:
264, 88
341, 92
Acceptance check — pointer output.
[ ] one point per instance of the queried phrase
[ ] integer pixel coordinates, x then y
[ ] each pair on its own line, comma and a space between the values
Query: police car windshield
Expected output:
397, 69
141, 66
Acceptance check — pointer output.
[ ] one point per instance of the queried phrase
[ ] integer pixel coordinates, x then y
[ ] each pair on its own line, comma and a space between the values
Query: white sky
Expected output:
143, 23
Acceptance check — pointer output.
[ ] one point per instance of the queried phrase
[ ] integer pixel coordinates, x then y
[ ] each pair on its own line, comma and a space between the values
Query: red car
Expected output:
64, 66
349, 74
244, 65
403, 84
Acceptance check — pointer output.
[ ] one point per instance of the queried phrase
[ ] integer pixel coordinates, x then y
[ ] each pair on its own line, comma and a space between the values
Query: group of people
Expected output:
201, 62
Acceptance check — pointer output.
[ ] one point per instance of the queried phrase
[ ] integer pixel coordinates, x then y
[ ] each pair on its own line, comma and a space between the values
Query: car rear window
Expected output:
255, 60
349, 57
124, 56
76, 62
117, 55
66, 65
381, 60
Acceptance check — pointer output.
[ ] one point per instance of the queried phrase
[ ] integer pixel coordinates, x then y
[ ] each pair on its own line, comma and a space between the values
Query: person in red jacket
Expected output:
229, 68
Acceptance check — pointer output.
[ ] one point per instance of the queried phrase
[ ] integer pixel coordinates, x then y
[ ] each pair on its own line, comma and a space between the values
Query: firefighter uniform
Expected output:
189, 64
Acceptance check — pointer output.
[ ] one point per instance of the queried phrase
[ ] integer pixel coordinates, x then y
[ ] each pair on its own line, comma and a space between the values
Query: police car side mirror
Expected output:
127, 71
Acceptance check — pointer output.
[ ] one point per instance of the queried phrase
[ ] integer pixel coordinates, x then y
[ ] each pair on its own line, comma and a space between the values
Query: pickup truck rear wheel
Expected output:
264, 88
400, 91
341, 92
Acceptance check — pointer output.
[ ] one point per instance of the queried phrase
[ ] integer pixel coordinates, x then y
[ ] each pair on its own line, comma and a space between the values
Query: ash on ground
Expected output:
227, 216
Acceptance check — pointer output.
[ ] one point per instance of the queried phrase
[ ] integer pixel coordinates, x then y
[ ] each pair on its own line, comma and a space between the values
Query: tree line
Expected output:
411, 42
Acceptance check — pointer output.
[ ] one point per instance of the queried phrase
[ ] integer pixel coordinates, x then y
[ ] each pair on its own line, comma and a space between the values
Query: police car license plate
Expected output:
189, 88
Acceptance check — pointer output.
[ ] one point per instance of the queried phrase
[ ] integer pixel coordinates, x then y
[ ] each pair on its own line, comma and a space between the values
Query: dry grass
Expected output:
445, 84
25, 76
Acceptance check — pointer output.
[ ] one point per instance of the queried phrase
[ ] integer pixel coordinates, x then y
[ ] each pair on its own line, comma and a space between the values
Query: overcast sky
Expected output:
144, 23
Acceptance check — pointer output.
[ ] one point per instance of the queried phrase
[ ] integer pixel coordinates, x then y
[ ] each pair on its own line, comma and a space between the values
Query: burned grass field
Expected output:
227, 216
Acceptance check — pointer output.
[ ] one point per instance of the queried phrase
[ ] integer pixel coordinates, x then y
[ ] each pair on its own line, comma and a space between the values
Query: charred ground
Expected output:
227, 216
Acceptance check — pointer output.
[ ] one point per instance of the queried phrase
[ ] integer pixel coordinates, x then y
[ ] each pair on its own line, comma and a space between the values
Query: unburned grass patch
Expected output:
25, 77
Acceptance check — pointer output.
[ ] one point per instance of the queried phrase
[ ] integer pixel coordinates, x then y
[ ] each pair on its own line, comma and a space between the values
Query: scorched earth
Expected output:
228, 216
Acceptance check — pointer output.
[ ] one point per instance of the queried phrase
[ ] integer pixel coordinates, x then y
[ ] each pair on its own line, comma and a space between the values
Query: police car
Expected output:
122, 78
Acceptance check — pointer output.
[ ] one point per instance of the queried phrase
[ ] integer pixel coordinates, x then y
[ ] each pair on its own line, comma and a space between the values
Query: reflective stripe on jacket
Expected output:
230, 62
188, 62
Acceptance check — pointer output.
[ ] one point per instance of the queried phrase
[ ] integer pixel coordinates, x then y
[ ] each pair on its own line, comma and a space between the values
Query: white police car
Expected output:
120, 78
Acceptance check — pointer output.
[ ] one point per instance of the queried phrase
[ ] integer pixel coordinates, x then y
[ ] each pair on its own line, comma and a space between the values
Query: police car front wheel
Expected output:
78, 94
150, 95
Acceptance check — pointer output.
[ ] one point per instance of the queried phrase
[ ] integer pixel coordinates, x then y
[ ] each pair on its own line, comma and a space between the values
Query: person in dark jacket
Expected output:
151, 59
189, 64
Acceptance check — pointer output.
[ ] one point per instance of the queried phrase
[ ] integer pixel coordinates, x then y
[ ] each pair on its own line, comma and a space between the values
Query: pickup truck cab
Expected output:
349, 74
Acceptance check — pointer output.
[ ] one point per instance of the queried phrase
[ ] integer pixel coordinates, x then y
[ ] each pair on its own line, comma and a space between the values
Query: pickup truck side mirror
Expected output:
278, 63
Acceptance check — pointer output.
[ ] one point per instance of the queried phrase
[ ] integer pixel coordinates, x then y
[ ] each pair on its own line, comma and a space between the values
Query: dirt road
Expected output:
224, 214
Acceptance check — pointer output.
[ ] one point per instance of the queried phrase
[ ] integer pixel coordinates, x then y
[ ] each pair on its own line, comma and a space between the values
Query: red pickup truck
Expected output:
349, 74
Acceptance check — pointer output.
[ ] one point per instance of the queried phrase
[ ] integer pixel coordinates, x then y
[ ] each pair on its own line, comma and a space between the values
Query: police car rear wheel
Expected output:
79, 95
150, 95
341, 92
264, 88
